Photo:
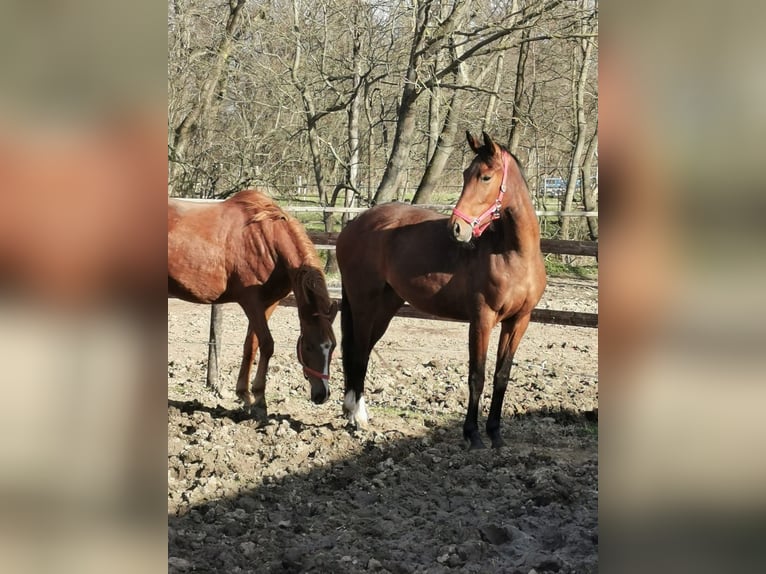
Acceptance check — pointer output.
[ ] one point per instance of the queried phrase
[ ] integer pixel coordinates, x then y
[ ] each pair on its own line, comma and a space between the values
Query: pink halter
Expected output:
480, 223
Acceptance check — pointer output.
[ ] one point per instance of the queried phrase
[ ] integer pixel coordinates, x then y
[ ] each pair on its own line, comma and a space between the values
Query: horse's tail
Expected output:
347, 331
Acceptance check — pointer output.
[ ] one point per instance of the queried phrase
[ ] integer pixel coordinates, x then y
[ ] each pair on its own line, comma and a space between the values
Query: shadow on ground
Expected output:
293, 496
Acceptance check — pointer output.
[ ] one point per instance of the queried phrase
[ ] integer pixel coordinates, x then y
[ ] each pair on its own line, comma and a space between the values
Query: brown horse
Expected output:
482, 265
248, 251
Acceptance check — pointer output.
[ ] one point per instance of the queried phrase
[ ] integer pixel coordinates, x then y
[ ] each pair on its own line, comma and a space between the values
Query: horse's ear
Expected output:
472, 142
333, 311
488, 143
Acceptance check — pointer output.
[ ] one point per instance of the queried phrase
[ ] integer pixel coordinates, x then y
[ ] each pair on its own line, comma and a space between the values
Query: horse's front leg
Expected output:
265, 352
512, 331
258, 337
478, 342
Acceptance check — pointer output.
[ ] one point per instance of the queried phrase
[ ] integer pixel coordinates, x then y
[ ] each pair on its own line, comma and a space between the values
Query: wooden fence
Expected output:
324, 240
327, 240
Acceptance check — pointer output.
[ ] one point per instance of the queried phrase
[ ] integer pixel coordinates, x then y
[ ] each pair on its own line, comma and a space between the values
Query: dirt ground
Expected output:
305, 493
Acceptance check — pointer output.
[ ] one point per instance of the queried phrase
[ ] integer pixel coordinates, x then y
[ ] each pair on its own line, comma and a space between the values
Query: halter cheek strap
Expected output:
480, 223
308, 371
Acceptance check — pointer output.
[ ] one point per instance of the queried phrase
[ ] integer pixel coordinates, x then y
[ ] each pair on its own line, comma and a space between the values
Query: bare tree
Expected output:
518, 92
431, 33
328, 101
590, 192
211, 88
446, 141
584, 53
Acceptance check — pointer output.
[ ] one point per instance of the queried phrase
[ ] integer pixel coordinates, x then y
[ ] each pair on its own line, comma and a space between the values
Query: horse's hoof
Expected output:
475, 443
355, 411
355, 423
494, 436
259, 412
247, 398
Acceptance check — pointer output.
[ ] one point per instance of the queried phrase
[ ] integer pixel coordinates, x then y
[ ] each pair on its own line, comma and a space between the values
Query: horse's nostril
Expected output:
456, 230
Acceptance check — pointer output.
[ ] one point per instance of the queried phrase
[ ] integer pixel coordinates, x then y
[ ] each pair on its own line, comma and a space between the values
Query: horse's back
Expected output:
382, 228
410, 250
217, 251
386, 217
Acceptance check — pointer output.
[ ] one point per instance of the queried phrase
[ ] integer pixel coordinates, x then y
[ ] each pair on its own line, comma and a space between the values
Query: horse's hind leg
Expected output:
354, 337
511, 333
362, 328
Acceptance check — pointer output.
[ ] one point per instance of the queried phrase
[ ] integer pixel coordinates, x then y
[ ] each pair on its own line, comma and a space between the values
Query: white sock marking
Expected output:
357, 412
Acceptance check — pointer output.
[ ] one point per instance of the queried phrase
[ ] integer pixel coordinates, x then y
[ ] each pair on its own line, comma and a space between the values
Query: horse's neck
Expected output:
521, 231
289, 250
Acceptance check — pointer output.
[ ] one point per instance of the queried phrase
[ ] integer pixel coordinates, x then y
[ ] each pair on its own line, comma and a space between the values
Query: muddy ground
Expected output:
305, 493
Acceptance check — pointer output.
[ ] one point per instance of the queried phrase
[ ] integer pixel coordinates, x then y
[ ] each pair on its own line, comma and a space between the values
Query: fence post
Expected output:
213, 349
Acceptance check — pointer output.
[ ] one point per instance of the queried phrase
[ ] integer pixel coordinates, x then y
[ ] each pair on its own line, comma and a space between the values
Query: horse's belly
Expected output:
434, 297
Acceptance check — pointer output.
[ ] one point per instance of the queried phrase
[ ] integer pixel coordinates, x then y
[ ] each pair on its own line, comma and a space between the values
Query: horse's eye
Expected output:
486, 177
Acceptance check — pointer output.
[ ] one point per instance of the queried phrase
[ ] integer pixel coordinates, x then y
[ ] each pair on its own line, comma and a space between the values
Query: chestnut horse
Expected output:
248, 251
482, 265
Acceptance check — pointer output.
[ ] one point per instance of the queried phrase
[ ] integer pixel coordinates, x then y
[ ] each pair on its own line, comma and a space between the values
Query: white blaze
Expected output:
326, 353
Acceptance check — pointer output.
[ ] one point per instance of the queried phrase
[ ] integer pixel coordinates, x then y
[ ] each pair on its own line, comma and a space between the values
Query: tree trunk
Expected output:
489, 113
405, 116
446, 141
354, 113
197, 116
518, 93
444, 148
581, 126
400, 151
309, 110
590, 195
214, 348
434, 122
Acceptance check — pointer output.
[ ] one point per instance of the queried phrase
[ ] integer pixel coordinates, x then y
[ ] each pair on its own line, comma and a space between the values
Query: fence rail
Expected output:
327, 240
435, 207
445, 208
546, 316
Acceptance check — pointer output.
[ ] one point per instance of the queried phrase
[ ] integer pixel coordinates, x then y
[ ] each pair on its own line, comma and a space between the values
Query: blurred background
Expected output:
682, 477
83, 170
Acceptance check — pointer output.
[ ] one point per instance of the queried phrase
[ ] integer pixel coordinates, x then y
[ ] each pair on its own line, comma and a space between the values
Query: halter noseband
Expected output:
480, 223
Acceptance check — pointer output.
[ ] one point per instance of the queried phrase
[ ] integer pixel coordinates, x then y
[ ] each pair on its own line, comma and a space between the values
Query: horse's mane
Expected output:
308, 281
486, 154
258, 206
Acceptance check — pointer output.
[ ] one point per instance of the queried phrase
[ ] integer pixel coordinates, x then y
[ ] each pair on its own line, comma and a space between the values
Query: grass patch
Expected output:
555, 267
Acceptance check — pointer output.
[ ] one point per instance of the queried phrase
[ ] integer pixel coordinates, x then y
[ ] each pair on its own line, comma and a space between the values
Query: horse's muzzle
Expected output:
320, 392
461, 231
